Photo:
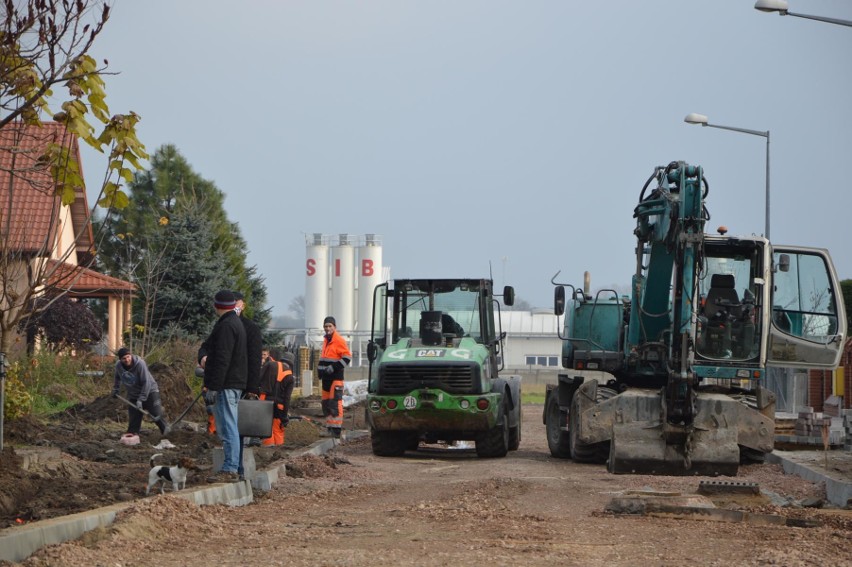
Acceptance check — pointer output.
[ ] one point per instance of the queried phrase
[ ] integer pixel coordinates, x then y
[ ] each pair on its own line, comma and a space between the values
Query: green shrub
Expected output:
58, 381
18, 402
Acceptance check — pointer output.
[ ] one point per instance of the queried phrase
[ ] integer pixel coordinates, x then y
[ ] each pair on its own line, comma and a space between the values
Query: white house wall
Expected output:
531, 334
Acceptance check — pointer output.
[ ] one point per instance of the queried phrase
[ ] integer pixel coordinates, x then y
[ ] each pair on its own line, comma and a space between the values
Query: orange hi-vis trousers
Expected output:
278, 430
332, 404
279, 434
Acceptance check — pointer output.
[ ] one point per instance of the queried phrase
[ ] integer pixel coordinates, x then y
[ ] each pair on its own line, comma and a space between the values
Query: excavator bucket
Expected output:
641, 442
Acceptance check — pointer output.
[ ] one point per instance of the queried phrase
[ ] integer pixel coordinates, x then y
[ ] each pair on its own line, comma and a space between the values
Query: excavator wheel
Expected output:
558, 440
749, 456
588, 452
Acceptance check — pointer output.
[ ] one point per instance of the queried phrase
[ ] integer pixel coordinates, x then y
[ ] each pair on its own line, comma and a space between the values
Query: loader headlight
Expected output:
464, 404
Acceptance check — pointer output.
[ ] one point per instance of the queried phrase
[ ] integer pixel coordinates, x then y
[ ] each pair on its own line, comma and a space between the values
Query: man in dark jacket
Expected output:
254, 346
254, 351
223, 357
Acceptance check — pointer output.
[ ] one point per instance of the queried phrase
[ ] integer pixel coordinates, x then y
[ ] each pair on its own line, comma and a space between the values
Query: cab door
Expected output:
807, 327
378, 334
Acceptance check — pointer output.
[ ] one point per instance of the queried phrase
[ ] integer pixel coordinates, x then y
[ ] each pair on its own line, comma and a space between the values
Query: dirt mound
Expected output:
75, 462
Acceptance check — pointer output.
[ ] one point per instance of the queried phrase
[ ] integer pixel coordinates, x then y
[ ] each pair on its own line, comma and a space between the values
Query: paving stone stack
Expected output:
847, 429
808, 429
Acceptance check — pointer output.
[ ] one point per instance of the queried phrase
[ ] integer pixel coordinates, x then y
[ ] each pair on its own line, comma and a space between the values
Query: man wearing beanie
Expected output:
225, 362
335, 356
254, 346
254, 354
142, 391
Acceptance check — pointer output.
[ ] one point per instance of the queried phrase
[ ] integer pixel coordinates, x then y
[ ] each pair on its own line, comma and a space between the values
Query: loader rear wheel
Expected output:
558, 440
388, 443
494, 443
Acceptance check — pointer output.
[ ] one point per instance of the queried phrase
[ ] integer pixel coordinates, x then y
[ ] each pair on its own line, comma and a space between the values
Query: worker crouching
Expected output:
276, 383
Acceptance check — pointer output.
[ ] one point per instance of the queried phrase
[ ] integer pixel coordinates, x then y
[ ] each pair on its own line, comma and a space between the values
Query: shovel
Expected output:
189, 407
144, 412
199, 372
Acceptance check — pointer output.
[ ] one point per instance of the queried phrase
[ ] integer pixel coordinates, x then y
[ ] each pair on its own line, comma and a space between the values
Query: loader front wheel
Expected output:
515, 432
388, 443
494, 443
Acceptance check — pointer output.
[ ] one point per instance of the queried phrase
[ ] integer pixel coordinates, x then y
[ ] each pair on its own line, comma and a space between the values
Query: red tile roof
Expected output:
29, 209
82, 281
28, 203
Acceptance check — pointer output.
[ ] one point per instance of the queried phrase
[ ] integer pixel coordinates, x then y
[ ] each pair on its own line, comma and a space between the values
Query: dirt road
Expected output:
449, 508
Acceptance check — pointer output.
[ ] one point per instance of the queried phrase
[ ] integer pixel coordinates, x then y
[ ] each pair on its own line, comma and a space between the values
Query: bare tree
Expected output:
44, 46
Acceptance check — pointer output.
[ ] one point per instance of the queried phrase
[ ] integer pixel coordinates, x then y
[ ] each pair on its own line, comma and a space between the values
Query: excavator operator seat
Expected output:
722, 298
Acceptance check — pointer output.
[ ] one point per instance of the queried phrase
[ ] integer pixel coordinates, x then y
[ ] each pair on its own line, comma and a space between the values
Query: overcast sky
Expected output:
474, 133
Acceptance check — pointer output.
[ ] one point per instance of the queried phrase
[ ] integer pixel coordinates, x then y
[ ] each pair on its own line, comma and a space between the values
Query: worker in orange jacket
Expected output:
276, 383
335, 356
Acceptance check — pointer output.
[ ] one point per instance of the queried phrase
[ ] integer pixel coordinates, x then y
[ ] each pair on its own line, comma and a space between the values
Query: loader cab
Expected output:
434, 313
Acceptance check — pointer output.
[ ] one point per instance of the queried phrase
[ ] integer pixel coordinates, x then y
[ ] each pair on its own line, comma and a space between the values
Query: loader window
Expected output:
430, 309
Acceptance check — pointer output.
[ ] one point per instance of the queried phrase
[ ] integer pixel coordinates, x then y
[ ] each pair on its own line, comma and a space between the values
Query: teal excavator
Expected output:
680, 364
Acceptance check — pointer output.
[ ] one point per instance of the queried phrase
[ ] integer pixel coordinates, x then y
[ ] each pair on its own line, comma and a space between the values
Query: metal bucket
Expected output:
254, 418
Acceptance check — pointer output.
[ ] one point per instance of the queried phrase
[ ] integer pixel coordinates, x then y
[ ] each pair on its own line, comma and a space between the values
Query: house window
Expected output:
539, 360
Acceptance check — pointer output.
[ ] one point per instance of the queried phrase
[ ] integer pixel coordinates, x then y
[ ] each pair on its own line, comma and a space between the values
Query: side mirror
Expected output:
372, 351
784, 262
508, 296
559, 300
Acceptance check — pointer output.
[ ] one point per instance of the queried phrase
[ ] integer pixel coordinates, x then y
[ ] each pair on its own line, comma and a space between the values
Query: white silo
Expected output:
369, 276
343, 283
316, 282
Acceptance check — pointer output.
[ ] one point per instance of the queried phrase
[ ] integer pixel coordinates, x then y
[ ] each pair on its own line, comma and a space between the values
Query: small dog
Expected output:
175, 474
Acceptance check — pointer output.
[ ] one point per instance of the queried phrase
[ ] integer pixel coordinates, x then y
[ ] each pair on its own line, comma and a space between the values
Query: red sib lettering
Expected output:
367, 267
311, 266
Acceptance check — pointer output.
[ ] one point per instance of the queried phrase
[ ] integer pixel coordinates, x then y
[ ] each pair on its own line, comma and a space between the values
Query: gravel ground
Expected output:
442, 507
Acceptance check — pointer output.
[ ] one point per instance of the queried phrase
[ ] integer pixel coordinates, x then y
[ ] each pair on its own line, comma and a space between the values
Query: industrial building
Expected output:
341, 272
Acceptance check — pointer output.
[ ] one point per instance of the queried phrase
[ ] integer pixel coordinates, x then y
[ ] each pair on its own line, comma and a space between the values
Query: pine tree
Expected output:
175, 241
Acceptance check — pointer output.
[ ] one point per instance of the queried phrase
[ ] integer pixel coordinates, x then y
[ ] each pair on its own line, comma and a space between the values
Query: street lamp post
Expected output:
780, 6
694, 118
